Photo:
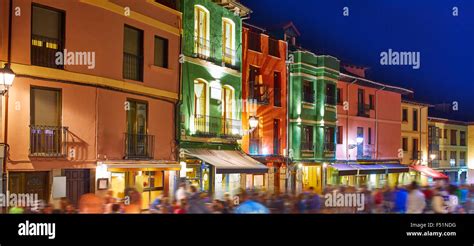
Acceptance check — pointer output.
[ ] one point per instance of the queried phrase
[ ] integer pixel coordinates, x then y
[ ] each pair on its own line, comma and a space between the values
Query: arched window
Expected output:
201, 31
201, 100
228, 41
228, 99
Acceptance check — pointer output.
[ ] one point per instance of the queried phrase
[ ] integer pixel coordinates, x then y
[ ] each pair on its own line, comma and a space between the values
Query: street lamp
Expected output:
253, 122
359, 140
432, 157
6, 78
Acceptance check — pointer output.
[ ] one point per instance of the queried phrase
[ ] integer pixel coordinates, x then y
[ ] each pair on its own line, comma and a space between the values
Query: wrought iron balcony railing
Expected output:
329, 147
48, 141
330, 100
208, 126
139, 146
202, 47
307, 146
363, 110
43, 51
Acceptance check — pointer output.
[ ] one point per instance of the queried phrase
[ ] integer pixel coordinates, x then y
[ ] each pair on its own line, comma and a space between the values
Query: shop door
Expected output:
30, 183
77, 184
312, 178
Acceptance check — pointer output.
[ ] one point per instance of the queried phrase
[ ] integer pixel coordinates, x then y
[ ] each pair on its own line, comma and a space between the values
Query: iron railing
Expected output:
202, 47
43, 51
139, 146
329, 147
307, 146
363, 110
367, 153
132, 67
48, 141
260, 93
330, 100
209, 126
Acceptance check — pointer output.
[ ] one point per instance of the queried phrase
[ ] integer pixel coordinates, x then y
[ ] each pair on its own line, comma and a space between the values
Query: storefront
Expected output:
372, 175
223, 171
274, 181
152, 179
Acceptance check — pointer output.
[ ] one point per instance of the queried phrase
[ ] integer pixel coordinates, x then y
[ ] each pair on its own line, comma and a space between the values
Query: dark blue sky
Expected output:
445, 42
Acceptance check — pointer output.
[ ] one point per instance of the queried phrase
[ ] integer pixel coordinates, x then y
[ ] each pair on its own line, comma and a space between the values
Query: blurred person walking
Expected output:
416, 202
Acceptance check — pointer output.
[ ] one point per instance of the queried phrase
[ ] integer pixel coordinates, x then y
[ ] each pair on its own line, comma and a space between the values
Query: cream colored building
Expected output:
470, 151
452, 157
414, 140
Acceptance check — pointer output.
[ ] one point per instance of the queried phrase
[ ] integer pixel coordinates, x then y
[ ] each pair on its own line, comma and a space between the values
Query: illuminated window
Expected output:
201, 31
200, 104
227, 102
228, 41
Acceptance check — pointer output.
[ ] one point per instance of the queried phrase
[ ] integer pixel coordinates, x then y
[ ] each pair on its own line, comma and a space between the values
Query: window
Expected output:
254, 41
227, 102
453, 157
445, 155
330, 94
372, 102
441, 155
161, 52
453, 136
329, 138
169, 3
273, 47
46, 132
445, 133
277, 89
201, 32
228, 41
308, 91
405, 115
200, 98
276, 137
307, 138
153, 180
138, 143
133, 54
462, 158
440, 133
370, 135
339, 134
415, 120
339, 96
47, 36
254, 140
462, 135
405, 144
257, 90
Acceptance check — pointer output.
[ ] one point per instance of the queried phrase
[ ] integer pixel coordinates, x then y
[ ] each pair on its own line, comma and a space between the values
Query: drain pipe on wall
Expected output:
376, 125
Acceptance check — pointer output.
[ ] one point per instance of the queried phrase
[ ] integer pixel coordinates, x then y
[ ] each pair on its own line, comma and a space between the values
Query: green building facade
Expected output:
313, 115
210, 109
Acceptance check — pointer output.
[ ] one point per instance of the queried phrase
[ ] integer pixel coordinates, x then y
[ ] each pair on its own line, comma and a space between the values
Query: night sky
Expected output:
445, 42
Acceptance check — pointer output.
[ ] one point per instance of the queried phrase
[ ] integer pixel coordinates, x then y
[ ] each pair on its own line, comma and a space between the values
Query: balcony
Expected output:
462, 163
366, 153
132, 67
260, 93
48, 141
139, 146
363, 110
43, 51
307, 146
202, 48
208, 126
254, 146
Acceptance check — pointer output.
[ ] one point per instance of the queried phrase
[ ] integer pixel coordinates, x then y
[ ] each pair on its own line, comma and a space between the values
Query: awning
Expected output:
228, 161
427, 171
142, 165
364, 169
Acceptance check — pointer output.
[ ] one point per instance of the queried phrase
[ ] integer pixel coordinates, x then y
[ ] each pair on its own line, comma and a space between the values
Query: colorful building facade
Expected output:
312, 117
451, 158
368, 131
102, 117
264, 83
210, 111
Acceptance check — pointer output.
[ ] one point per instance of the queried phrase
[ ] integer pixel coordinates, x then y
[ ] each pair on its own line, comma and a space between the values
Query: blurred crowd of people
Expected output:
439, 198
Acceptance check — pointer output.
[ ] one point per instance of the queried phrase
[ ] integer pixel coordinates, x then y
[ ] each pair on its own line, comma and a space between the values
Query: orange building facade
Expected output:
103, 117
264, 93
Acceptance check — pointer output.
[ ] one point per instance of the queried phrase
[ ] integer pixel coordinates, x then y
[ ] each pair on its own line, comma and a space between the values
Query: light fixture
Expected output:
298, 121
182, 171
6, 78
432, 157
360, 140
253, 122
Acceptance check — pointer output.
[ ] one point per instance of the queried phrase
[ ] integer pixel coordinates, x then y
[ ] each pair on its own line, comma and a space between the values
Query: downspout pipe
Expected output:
376, 125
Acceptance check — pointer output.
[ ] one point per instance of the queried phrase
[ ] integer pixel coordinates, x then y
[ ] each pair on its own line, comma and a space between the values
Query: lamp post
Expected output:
6, 81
